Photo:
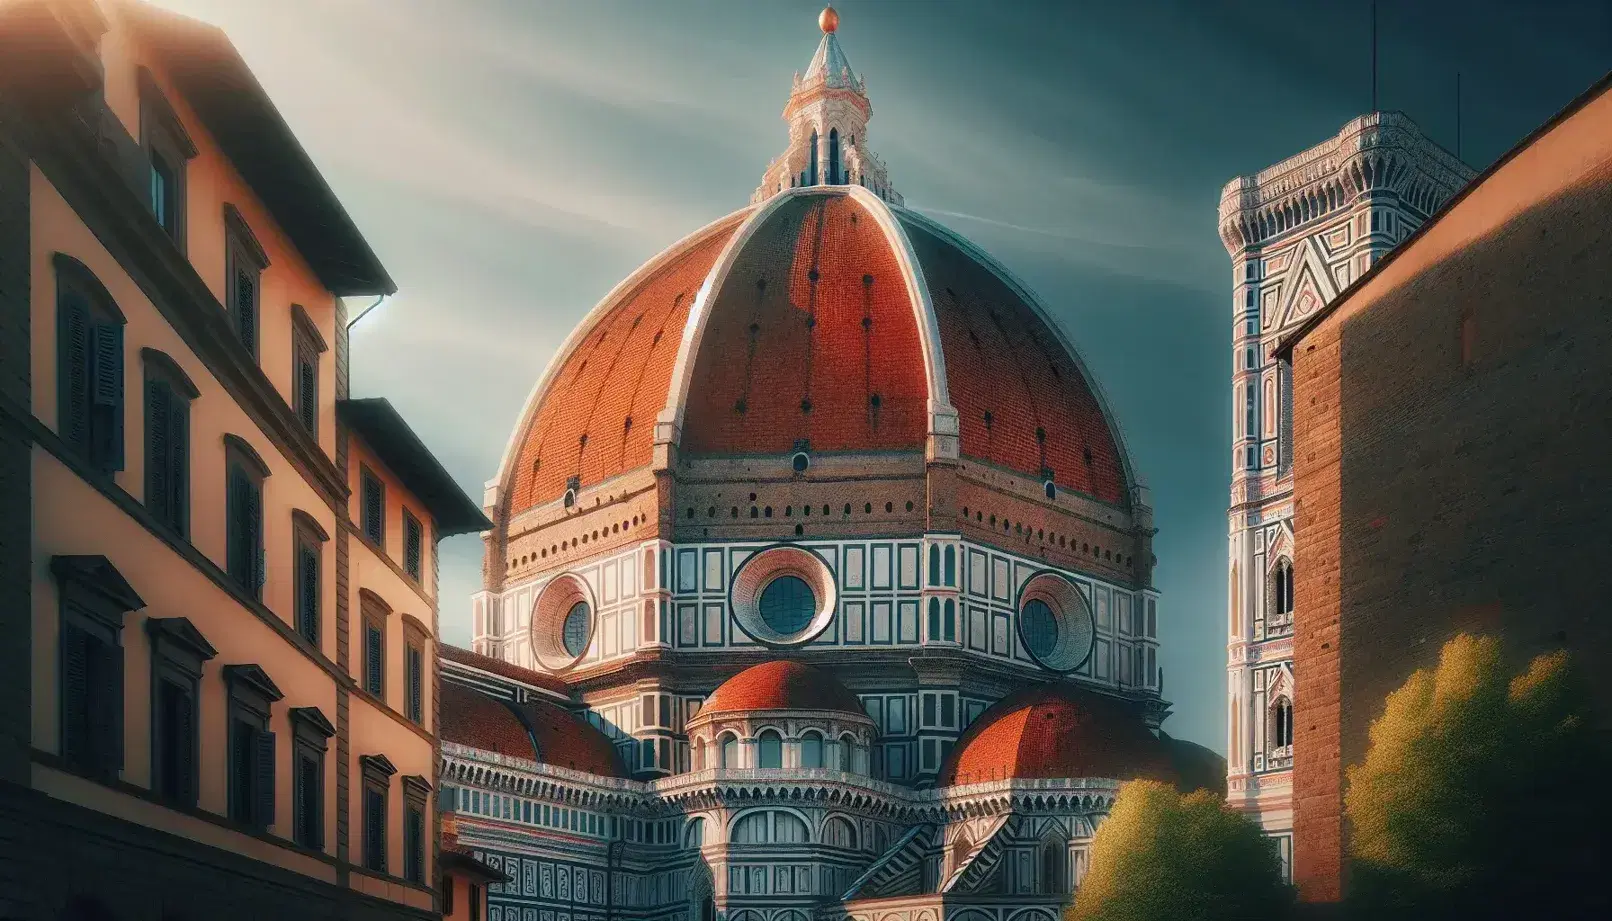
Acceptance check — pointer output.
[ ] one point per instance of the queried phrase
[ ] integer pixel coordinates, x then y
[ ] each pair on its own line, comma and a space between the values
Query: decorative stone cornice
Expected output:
1378, 152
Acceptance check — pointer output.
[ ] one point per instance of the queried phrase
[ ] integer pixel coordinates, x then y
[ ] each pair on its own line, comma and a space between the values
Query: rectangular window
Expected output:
414, 845
244, 527
305, 580
374, 657
90, 370
174, 732
251, 746
929, 711
251, 773
375, 828
178, 652
413, 545
91, 696
167, 450
374, 510
416, 680
447, 895
305, 387
244, 265
475, 902
948, 710
309, 805
167, 147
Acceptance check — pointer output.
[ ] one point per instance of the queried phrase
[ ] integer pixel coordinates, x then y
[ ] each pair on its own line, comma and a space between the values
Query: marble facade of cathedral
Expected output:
820, 582
1298, 233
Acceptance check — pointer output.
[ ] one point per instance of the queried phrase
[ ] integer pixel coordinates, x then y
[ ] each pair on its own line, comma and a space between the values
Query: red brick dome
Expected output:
782, 685
824, 316
536, 731
1057, 730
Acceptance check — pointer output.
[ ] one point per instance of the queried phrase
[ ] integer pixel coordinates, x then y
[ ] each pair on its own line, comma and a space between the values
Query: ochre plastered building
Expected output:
218, 692
1450, 431
820, 581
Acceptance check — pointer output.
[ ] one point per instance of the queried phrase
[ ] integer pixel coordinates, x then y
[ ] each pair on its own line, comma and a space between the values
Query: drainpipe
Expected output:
365, 312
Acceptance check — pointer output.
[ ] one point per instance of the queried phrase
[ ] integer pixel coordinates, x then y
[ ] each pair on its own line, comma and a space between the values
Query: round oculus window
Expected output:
783, 596
1040, 628
1055, 623
788, 605
574, 633
562, 622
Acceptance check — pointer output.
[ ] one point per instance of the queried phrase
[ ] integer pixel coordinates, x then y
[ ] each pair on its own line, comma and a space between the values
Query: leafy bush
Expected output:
1161, 856
1483, 795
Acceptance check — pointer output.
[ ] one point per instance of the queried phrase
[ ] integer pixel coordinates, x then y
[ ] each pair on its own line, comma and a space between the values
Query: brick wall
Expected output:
1451, 431
1317, 772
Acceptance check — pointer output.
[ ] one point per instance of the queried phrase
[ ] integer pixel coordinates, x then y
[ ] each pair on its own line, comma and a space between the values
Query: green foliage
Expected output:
1482, 794
1161, 856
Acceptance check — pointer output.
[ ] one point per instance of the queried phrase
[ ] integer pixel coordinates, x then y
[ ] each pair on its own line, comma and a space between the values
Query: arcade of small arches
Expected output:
771, 749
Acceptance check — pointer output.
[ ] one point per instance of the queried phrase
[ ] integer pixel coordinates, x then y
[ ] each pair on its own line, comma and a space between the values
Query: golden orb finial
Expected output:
828, 20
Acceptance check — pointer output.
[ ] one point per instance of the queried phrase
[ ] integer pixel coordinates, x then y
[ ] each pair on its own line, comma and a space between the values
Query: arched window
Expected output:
950, 621
1282, 723
834, 156
847, 752
1054, 862
811, 171
694, 833
837, 832
1284, 587
951, 565
89, 367
934, 619
729, 752
811, 750
698, 754
769, 826
934, 564
1250, 428
769, 750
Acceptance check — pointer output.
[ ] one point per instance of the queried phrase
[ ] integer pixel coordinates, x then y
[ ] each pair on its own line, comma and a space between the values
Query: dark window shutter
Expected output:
105, 700
184, 745
411, 546
252, 535
416, 681
74, 354
308, 594
263, 778
179, 463
375, 829
235, 528
240, 793
307, 395
75, 695
374, 506
309, 803
106, 397
159, 450
447, 895
374, 650
246, 309
475, 902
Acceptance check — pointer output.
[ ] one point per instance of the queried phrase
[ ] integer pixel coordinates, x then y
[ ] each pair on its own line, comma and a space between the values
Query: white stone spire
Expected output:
828, 114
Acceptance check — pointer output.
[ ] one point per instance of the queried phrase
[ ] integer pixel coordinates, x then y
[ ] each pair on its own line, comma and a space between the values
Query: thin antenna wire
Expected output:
1373, 55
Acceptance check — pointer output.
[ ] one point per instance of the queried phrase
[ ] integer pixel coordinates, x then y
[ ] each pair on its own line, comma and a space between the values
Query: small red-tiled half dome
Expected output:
536, 731
1057, 730
475, 720
782, 685
563, 740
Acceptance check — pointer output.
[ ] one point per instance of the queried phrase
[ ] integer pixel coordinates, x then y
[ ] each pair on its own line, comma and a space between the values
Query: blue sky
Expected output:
511, 160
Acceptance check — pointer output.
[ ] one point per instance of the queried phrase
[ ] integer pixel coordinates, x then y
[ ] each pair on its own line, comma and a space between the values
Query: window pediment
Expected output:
251, 681
93, 582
